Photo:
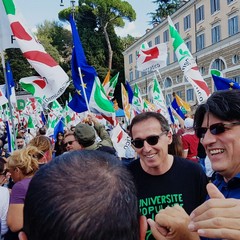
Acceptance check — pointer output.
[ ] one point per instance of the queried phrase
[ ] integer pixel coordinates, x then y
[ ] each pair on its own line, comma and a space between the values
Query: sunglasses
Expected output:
4, 173
70, 143
151, 140
215, 129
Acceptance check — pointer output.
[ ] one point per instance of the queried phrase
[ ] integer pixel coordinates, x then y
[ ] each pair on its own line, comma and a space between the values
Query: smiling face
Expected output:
223, 149
154, 159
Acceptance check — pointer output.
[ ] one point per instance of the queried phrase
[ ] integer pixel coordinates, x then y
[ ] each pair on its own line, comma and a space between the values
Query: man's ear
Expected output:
143, 227
22, 236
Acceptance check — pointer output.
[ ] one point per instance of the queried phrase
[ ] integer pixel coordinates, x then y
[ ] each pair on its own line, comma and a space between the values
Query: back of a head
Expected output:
43, 143
82, 195
84, 134
225, 105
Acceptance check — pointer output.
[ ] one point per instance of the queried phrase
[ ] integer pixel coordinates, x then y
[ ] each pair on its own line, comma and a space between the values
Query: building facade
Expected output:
211, 31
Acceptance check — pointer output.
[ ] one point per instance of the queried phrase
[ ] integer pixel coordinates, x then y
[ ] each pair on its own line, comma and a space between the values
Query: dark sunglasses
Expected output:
151, 140
4, 173
215, 129
70, 143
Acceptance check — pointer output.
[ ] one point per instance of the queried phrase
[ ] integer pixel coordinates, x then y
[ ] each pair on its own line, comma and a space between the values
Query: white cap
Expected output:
188, 123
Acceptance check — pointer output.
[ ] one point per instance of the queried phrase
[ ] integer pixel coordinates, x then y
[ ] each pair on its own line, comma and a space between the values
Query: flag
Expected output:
10, 85
3, 99
177, 108
58, 128
225, 83
109, 87
125, 103
10, 137
95, 95
188, 65
137, 101
107, 78
171, 115
153, 58
182, 103
216, 72
130, 92
6, 35
120, 140
158, 99
52, 81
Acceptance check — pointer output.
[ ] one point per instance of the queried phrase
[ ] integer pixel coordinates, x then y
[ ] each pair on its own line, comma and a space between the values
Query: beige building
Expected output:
211, 31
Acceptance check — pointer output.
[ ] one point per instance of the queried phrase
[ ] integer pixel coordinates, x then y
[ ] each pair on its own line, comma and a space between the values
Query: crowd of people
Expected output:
78, 188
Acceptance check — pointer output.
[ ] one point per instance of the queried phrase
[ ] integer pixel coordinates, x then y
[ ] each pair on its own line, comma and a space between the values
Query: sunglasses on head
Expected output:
215, 129
151, 140
69, 142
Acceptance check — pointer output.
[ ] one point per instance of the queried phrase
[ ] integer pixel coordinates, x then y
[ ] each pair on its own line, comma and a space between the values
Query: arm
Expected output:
101, 131
218, 217
15, 217
171, 223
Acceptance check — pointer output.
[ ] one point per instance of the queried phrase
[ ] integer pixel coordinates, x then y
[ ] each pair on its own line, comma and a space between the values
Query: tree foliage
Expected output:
165, 8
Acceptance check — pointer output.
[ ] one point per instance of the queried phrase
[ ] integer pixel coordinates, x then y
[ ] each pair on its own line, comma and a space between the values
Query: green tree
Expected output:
165, 8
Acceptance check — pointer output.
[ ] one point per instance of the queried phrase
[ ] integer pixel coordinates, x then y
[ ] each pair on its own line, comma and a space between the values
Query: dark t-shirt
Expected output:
184, 184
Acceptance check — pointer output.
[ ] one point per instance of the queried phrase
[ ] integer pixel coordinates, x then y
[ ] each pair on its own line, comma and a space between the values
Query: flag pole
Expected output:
9, 101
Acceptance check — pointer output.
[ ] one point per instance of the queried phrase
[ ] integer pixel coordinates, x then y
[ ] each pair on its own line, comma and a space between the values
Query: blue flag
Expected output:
58, 128
171, 115
177, 108
79, 63
224, 83
10, 82
130, 92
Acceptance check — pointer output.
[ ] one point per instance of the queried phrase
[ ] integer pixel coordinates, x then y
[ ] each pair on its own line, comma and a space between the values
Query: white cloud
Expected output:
129, 28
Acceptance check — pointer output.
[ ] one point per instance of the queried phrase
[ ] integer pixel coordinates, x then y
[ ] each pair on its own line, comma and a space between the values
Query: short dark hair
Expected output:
82, 195
224, 105
147, 115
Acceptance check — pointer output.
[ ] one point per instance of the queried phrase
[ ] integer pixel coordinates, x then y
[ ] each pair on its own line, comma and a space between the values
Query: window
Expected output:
190, 95
187, 22
150, 44
232, 25
166, 36
230, 1
189, 45
216, 36
235, 59
200, 42
200, 14
136, 74
174, 56
236, 79
177, 26
215, 6
202, 70
218, 64
157, 40
167, 82
177, 79
130, 59
168, 99
168, 58
179, 93
130, 76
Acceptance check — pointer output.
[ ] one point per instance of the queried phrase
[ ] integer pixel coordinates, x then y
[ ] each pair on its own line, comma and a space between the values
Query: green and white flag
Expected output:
137, 101
188, 65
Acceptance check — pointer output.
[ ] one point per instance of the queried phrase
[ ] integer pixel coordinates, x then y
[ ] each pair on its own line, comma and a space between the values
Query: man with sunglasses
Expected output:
217, 124
70, 142
161, 179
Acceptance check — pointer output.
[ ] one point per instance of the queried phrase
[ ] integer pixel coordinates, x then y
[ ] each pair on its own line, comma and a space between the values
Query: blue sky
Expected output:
36, 11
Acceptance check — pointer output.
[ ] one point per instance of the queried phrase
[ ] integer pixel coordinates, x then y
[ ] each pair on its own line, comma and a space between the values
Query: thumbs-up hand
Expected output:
218, 217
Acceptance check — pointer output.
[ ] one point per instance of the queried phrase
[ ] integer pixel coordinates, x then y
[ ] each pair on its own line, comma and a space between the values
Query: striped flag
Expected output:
188, 65
52, 81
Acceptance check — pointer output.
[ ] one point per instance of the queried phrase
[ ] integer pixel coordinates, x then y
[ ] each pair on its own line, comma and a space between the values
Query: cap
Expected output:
188, 123
84, 132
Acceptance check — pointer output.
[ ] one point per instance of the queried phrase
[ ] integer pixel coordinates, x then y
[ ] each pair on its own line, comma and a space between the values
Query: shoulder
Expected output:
183, 162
